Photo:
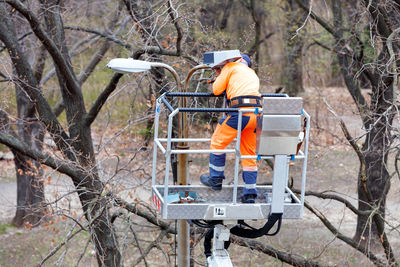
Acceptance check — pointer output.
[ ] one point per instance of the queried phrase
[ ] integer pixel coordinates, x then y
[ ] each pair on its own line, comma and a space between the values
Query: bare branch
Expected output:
101, 100
320, 21
102, 34
283, 256
346, 133
179, 36
136, 209
344, 238
57, 248
153, 244
48, 43
62, 166
337, 198
253, 48
143, 255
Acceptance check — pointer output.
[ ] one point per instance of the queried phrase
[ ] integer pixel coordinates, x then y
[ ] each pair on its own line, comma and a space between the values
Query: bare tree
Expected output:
294, 38
76, 145
377, 114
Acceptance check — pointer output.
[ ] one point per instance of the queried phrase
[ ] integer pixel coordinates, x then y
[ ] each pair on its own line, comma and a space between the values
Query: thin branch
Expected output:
3, 75
102, 99
102, 34
51, 47
178, 28
305, 21
136, 209
153, 244
337, 198
321, 21
346, 133
57, 248
344, 238
287, 257
255, 44
67, 168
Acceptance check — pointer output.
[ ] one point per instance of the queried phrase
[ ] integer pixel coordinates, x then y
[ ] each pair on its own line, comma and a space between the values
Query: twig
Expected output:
57, 248
337, 198
178, 28
134, 208
305, 21
143, 256
102, 34
102, 99
344, 238
152, 245
83, 253
283, 256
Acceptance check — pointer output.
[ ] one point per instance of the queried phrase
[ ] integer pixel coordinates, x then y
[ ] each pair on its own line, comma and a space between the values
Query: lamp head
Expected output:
128, 65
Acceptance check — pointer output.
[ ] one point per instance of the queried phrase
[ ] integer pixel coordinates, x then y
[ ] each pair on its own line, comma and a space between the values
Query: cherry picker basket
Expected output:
282, 122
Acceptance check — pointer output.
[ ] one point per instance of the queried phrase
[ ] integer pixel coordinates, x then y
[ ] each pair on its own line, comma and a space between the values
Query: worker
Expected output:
241, 85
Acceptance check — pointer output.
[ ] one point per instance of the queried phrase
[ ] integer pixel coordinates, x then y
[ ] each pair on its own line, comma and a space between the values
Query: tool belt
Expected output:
245, 101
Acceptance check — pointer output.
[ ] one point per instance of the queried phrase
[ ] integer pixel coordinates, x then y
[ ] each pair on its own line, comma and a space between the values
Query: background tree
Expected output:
377, 115
294, 37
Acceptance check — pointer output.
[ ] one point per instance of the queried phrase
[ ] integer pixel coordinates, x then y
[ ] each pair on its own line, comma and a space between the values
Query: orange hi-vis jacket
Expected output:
237, 80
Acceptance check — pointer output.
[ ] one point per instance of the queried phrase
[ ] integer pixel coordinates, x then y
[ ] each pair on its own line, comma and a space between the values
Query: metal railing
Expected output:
168, 151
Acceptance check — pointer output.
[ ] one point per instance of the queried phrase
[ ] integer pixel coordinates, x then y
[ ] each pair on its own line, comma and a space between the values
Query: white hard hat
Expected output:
220, 58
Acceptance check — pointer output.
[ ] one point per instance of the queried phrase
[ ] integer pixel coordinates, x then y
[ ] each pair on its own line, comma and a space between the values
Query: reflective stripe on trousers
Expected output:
224, 134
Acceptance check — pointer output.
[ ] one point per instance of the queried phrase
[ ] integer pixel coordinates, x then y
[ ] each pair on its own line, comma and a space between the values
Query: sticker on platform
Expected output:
219, 212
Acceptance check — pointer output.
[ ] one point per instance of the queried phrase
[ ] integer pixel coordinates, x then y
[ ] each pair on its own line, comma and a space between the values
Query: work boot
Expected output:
250, 198
215, 183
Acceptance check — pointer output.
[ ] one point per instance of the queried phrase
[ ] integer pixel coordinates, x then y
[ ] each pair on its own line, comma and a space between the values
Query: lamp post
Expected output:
129, 65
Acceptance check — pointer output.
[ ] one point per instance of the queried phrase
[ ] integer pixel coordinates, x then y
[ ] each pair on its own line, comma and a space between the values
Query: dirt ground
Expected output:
332, 167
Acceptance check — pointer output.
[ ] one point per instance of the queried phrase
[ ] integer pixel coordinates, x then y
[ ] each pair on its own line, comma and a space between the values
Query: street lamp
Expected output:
129, 65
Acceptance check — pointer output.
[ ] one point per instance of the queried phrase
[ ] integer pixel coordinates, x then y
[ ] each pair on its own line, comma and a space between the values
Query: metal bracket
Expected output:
220, 257
279, 183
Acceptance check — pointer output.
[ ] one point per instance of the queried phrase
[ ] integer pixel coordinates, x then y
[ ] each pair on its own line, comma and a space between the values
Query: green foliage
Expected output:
4, 227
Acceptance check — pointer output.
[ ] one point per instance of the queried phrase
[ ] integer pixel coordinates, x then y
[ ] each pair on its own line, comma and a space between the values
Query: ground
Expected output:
332, 167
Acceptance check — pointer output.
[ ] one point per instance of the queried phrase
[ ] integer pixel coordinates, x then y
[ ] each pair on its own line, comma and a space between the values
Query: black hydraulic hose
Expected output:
255, 233
207, 242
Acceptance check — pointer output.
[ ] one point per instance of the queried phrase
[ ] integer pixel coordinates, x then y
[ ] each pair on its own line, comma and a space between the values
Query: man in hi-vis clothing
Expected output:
241, 84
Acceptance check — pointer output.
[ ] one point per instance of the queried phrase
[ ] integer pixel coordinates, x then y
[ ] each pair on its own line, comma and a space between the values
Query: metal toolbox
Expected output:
279, 126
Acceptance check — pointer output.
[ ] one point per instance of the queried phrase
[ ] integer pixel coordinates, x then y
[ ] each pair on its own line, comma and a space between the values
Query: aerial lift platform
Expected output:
282, 125
283, 128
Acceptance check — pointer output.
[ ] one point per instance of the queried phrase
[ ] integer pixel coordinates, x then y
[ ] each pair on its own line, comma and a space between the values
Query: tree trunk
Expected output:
373, 179
294, 42
377, 181
30, 188
375, 150
90, 187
